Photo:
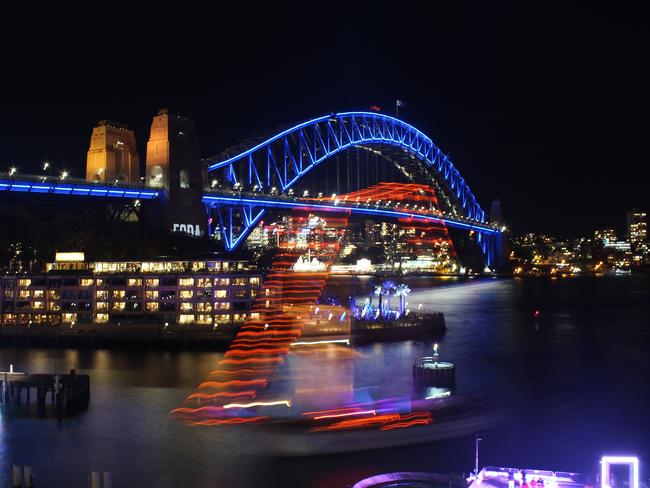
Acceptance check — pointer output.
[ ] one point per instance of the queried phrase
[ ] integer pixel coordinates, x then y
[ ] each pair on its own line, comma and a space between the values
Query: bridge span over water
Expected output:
262, 174
273, 166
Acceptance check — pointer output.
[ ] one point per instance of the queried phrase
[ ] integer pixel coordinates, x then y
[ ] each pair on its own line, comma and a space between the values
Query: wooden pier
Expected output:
68, 393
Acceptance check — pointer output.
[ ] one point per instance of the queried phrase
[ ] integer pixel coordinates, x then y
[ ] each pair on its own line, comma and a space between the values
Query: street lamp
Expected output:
64, 175
12, 171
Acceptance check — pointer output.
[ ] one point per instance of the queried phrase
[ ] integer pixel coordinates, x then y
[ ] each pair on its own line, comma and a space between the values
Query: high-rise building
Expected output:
637, 226
605, 235
113, 154
174, 164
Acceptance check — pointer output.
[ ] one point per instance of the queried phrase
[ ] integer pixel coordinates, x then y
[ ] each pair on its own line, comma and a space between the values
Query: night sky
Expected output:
544, 106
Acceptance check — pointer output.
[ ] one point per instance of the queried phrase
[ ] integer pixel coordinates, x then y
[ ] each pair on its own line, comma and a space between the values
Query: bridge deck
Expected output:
395, 211
44, 185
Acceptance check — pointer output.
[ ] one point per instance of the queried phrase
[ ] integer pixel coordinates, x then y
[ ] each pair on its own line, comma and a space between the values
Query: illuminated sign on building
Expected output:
191, 229
69, 256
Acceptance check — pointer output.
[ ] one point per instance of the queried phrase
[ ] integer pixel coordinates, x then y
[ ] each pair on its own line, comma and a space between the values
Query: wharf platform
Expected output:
69, 393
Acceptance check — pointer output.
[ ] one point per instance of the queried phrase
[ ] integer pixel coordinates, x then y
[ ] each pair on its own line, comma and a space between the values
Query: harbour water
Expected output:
574, 383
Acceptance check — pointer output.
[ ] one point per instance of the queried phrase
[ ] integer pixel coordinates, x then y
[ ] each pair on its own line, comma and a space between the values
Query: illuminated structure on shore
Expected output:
209, 292
113, 155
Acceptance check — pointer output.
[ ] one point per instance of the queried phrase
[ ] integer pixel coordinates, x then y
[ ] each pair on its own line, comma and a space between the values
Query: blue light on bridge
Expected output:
77, 190
266, 202
289, 155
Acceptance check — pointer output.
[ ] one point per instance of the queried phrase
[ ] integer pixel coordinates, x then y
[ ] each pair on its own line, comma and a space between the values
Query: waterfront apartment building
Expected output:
637, 226
216, 293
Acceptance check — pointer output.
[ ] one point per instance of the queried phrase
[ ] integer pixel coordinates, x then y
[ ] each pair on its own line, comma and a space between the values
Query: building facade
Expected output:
215, 293
637, 226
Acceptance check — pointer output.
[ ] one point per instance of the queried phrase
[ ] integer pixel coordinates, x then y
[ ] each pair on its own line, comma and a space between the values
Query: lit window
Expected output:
220, 293
152, 282
38, 305
186, 307
102, 306
24, 282
86, 282
222, 281
203, 319
151, 294
24, 293
119, 306
102, 295
222, 305
99, 282
101, 318
186, 282
39, 293
186, 319
203, 307
9, 293
119, 293
186, 294
255, 281
135, 282
222, 318
152, 306
54, 306
204, 282
69, 317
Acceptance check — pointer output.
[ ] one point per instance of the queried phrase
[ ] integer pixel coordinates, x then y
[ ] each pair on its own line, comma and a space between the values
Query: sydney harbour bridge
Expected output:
269, 173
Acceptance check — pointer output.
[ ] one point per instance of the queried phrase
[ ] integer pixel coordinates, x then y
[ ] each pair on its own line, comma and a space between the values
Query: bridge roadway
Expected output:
77, 187
229, 198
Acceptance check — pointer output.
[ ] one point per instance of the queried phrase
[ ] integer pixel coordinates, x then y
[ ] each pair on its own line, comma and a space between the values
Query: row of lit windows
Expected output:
129, 294
155, 282
168, 266
71, 318
119, 305
122, 294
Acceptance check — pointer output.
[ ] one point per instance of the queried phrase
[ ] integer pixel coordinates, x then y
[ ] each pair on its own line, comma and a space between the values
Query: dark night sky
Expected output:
543, 105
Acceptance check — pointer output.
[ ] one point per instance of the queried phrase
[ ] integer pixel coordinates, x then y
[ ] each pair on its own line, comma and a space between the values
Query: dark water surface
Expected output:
576, 387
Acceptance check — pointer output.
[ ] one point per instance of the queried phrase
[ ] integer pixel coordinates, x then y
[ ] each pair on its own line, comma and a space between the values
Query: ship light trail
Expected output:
346, 414
312, 343
286, 403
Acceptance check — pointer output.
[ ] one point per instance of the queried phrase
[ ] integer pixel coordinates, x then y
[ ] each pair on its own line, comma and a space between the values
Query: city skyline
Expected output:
493, 105
325, 244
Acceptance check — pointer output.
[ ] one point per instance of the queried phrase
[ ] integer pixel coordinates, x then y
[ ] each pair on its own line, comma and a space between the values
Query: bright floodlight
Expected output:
606, 463
12, 171
46, 165
64, 174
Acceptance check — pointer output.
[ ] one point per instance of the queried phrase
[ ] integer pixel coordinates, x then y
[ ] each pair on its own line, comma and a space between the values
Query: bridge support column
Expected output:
492, 247
235, 222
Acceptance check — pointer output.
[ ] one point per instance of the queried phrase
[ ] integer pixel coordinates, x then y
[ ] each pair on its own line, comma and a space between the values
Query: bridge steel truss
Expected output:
283, 159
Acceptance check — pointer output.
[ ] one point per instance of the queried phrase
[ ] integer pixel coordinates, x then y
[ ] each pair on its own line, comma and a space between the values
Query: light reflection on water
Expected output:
577, 385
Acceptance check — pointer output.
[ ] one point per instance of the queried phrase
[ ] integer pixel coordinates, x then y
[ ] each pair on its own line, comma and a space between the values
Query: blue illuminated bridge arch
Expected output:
283, 159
